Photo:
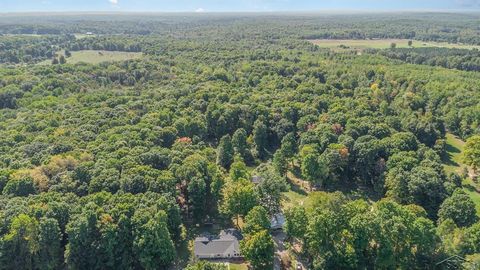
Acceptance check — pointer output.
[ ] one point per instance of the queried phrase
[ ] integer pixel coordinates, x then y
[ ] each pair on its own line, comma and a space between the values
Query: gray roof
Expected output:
225, 245
277, 221
257, 179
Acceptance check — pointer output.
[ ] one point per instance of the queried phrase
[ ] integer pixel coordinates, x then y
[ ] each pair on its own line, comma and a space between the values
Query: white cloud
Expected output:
199, 10
114, 2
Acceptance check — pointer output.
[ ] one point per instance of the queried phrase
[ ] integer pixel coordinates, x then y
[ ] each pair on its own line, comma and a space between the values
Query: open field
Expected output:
453, 163
453, 160
95, 57
383, 44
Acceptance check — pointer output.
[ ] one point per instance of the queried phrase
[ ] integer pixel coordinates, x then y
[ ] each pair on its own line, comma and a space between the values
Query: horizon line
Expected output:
320, 11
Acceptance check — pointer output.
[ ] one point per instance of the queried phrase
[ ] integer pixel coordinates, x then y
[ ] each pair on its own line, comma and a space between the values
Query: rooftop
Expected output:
225, 245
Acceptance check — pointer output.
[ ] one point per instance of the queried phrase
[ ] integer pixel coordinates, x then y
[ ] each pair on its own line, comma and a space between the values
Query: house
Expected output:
257, 179
224, 246
277, 222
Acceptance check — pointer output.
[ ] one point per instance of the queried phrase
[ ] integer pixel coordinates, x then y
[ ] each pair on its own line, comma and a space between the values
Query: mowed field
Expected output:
453, 163
363, 44
95, 57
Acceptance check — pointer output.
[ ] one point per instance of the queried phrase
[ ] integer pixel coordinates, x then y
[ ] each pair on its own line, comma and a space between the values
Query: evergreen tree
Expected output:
280, 162
62, 60
260, 138
225, 152
239, 143
50, 255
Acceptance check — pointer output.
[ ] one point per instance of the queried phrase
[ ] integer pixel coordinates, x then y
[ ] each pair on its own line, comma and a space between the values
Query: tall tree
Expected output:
314, 170
280, 162
258, 249
50, 255
82, 236
256, 220
239, 170
289, 145
225, 152
472, 152
238, 198
460, 208
296, 222
20, 246
239, 143
260, 138
270, 189
152, 244
197, 191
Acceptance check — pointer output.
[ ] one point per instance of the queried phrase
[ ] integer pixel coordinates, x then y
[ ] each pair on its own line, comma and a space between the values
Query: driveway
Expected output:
279, 239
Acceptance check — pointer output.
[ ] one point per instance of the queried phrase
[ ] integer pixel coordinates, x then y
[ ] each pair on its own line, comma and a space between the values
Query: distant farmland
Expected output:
362, 44
95, 57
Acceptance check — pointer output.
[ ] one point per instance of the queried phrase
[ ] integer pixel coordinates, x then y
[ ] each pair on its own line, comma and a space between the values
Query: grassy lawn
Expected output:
95, 57
237, 266
297, 194
453, 160
453, 163
384, 44
293, 198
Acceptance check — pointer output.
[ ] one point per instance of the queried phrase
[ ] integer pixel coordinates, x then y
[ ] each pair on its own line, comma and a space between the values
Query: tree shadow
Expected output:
448, 157
471, 188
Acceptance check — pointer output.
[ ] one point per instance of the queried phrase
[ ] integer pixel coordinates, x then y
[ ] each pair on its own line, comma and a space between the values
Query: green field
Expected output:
453, 163
95, 57
363, 44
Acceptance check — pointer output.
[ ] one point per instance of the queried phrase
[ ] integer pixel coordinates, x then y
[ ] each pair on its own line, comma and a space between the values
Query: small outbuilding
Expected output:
257, 179
277, 222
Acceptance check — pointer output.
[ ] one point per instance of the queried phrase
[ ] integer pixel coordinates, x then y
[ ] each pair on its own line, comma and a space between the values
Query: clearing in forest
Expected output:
362, 44
453, 163
96, 57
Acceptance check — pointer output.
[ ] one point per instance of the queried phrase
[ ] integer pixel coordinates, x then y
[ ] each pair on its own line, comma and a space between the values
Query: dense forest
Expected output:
461, 59
119, 165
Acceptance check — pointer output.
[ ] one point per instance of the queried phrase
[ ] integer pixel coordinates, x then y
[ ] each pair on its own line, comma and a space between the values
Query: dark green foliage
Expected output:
280, 163
459, 208
258, 248
314, 170
256, 220
50, 255
269, 190
239, 198
19, 246
225, 152
197, 197
296, 222
462, 59
111, 165
260, 138
340, 236
240, 146
19, 187
152, 244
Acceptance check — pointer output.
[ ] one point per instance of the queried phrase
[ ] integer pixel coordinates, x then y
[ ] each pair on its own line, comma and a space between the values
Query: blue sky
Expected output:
233, 5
